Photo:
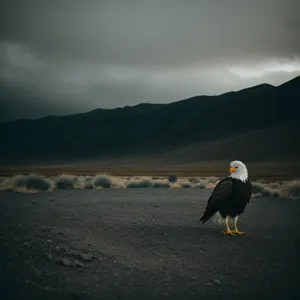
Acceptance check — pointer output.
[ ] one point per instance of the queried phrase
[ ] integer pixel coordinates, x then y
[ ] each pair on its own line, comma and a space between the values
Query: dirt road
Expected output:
144, 244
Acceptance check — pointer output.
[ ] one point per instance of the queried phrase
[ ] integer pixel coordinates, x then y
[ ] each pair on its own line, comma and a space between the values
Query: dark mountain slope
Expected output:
274, 143
149, 128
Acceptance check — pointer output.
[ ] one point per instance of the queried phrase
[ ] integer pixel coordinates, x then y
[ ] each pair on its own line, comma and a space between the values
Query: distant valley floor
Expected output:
279, 170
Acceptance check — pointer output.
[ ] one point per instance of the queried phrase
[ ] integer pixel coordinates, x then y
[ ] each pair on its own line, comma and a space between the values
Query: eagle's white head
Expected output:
238, 170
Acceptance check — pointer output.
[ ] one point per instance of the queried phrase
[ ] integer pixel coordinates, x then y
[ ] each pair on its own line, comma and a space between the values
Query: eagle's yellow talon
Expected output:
235, 231
228, 232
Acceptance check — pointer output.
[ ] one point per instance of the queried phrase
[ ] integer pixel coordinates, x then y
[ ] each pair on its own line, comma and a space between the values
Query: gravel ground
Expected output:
144, 244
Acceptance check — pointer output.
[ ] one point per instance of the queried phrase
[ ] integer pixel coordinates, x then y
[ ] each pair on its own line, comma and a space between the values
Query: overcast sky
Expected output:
83, 55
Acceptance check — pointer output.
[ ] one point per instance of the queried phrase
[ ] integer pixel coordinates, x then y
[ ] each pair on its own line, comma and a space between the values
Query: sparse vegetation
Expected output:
291, 189
88, 186
185, 184
210, 185
140, 183
212, 179
194, 180
30, 182
275, 194
266, 193
34, 183
18, 181
65, 182
273, 185
175, 185
37, 182
199, 186
6, 184
172, 178
257, 187
119, 182
161, 183
203, 183
102, 181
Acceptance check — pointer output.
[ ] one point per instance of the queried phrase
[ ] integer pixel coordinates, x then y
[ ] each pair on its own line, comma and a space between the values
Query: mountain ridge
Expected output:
148, 129
255, 87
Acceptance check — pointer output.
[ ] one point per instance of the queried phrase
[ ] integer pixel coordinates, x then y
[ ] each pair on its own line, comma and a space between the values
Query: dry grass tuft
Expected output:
6, 184
65, 182
185, 184
161, 183
33, 183
175, 185
213, 179
283, 190
210, 185
274, 185
102, 181
194, 180
145, 182
119, 182
291, 190
203, 183
257, 187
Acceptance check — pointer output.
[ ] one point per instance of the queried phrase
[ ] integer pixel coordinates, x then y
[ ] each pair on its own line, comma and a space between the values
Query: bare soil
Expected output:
144, 244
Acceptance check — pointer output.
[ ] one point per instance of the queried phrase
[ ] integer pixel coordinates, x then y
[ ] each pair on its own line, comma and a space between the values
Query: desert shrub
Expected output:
292, 189
6, 184
194, 180
199, 186
266, 193
273, 185
88, 178
65, 182
185, 184
36, 182
30, 182
140, 183
103, 181
212, 179
18, 181
175, 185
275, 194
210, 185
172, 178
257, 188
119, 182
163, 183
88, 185
203, 183
78, 181
84, 182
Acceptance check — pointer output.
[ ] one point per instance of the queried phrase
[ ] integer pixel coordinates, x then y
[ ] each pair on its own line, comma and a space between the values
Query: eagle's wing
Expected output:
220, 194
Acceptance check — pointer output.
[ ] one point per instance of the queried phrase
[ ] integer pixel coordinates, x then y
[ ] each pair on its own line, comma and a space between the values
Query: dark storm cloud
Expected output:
113, 53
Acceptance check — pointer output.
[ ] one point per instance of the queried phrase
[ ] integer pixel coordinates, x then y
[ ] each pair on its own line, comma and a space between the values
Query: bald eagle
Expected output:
230, 197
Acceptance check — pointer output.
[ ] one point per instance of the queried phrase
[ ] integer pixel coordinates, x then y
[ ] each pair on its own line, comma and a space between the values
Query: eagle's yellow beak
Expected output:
231, 170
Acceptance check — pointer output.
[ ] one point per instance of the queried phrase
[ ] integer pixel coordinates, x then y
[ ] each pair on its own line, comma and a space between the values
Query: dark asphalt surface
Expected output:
144, 244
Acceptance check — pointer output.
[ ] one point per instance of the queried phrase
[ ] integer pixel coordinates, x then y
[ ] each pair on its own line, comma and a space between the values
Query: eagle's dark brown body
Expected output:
230, 197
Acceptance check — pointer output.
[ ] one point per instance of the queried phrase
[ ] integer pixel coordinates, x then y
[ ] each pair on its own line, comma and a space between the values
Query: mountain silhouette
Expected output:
260, 123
